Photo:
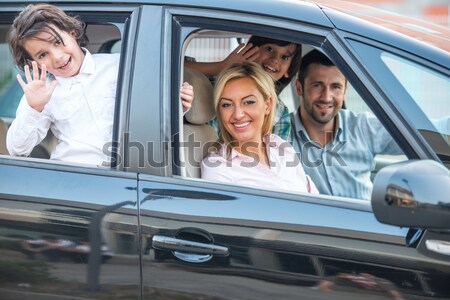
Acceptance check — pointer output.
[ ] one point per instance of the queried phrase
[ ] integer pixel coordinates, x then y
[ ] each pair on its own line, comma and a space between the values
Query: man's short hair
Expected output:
312, 57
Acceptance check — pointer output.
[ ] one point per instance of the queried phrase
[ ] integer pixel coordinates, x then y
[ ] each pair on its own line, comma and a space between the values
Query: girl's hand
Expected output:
35, 89
186, 95
243, 52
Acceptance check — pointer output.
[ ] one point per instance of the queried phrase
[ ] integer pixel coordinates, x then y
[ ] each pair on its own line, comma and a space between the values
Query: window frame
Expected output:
329, 40
111, 15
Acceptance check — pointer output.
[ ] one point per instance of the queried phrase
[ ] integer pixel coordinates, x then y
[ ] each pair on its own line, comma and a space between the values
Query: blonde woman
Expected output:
247, 153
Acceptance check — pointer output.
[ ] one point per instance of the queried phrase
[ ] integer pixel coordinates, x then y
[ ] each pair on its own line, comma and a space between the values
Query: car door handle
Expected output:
188, 250
441, 247
174, 244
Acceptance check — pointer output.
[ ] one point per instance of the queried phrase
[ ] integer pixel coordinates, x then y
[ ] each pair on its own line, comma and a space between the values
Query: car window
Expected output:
210, 46
417, 88
104, 38
431, 95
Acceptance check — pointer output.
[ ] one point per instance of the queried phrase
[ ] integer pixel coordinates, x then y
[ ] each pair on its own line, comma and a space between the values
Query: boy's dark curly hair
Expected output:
37, 18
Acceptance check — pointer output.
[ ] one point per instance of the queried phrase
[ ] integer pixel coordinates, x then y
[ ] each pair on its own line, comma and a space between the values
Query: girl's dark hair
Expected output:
295, 62
37, 18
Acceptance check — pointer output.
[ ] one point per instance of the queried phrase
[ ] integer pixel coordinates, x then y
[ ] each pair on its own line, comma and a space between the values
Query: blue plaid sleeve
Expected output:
214, 124
282, 122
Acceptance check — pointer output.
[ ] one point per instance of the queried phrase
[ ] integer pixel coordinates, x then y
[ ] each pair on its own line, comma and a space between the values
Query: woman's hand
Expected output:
35, 89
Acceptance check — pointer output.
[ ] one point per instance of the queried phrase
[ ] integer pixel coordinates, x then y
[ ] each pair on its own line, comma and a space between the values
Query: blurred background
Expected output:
436, 11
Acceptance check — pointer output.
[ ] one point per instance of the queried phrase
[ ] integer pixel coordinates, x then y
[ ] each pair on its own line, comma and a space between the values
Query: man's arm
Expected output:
379, 139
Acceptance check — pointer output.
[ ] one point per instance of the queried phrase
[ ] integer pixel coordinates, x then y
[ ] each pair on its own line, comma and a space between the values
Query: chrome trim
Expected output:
174, 245
441, 247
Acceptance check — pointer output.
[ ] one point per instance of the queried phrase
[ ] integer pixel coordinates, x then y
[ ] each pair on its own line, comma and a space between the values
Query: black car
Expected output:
149, 228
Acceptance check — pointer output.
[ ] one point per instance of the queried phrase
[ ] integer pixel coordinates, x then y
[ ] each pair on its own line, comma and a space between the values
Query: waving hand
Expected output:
35, 89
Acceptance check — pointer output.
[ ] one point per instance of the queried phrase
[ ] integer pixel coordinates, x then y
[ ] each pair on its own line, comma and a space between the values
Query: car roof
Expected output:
294, 10
429, 41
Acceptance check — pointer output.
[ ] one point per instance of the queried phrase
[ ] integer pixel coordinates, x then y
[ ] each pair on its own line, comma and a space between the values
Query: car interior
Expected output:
195, 125
3, 130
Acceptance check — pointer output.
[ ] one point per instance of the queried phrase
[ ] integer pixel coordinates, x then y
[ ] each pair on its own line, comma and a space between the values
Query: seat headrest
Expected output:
202, 109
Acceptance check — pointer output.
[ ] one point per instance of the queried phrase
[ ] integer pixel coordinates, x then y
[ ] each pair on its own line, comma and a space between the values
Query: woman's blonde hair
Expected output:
264, 84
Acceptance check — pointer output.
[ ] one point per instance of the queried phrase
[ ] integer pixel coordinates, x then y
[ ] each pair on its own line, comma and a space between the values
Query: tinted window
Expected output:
426, 87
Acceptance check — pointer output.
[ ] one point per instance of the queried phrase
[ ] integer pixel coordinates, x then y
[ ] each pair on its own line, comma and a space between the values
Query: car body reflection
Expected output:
61, 250
56, 249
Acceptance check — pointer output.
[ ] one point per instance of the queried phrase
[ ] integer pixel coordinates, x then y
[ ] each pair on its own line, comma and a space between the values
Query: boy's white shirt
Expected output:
80, 114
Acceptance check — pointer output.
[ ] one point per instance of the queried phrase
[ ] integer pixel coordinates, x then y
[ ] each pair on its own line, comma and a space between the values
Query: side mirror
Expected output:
414, 193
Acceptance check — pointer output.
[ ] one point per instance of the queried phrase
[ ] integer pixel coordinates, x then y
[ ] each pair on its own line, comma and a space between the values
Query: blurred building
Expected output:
436, 11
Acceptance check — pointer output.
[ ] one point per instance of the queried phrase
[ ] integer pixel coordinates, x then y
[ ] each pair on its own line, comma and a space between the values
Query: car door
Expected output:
222, 241
71, 230
212, 240
67, 230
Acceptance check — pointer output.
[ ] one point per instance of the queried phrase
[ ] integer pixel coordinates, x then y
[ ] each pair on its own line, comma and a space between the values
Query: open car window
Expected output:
214, 45
103, 38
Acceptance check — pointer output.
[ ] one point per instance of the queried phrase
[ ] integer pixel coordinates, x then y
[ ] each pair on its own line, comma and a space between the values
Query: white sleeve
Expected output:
27, 130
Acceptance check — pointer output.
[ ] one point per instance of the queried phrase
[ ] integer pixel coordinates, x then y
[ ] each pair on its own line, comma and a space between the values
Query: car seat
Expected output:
3, 131
196, 128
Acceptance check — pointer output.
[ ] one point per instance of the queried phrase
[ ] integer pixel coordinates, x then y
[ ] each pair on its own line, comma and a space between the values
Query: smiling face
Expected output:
61, 57
323, 94
242, 109
275, 59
